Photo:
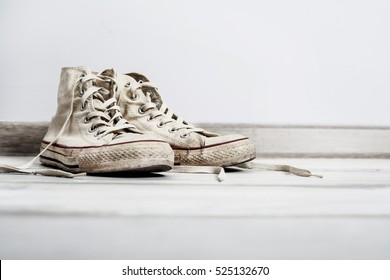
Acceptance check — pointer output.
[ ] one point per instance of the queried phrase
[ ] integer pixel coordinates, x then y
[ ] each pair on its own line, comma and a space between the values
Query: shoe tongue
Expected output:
147, 89
109, 73
107, 84
98, 98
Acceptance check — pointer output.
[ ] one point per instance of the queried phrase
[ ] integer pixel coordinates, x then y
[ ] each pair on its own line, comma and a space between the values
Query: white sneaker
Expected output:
89, 134
143, 107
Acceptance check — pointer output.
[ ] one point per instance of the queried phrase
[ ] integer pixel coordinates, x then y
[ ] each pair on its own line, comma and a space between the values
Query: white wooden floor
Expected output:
251, 215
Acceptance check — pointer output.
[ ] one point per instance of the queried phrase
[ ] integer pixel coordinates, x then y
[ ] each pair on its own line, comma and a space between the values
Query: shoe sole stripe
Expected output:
60, 162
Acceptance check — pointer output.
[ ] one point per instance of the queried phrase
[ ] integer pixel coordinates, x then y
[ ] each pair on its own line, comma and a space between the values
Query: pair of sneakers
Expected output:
108, 122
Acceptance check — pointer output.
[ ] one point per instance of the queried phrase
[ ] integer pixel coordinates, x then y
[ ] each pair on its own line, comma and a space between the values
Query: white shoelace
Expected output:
218, 170
104, 120
164, 114
278, 167
221, 175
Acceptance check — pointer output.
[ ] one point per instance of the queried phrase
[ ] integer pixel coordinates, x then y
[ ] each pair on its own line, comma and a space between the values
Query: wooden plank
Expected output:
21, 138
347, 190
271, 141
78, 199
251, 215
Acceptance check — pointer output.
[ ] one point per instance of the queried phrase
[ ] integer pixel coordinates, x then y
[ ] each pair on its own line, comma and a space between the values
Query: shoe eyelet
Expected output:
140, 81
185, 135
141, 111
149, 119
134, 97
160, 125
128, 84
171, 130
91, 129
82, 75
83, 106
86, 120
81, 91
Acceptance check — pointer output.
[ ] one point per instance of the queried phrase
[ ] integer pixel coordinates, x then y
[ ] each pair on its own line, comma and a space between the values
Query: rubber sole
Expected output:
135, 157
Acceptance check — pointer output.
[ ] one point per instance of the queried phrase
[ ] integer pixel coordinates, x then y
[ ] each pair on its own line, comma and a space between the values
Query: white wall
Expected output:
279, 62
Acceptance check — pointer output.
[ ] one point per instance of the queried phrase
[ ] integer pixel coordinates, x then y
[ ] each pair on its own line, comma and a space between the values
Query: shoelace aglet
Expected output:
302, 172
285, 168
317, 175
221, 175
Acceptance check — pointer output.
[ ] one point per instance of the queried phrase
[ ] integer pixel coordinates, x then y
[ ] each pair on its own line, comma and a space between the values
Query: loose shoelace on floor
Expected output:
219, 171
221, 175
106, 119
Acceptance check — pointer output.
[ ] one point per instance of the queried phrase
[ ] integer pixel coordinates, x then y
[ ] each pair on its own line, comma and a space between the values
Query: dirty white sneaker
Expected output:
143, 107
89, 134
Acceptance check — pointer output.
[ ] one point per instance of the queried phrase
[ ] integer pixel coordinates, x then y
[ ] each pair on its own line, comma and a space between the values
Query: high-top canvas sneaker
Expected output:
89, 134
143, 107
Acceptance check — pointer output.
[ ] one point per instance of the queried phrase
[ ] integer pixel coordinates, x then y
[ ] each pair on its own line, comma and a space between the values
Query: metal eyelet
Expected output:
134, 97
160, 125
149, 119
82, 75
140, 110
140, 81
83, 106
128, 84
86, 120
91, 129
171, 130
81, 91
184, 135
